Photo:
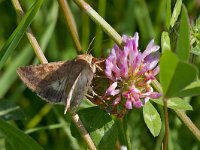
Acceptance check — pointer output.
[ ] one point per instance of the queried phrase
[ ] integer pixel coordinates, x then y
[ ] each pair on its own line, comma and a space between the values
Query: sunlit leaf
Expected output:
174, 74
196, 50
168, 13
183, 43
176, 12
152, 119
191, 90
175, 103
165, 42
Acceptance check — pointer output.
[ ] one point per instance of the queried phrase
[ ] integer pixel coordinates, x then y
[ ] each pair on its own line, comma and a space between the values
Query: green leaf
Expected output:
10, 111
175, 103
17, 139
183, 43
100, 126
191, 90
165, 42
174, 74
176, 12
152, 119
196, 50
15, 37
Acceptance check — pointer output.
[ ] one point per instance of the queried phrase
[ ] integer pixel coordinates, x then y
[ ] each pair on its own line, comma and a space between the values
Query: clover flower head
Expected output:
130, 73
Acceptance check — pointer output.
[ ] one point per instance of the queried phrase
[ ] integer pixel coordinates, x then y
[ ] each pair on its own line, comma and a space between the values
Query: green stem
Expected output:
168, 13
71, 24
29, 34
122, 129
191, 126
99, 32
49, 127
127, 138
85, 135
157, 86
100, 21
188, 123
165, 144
39, 116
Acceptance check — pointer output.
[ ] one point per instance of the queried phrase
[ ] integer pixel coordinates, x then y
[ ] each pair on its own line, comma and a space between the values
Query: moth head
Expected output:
86, 57
89, 59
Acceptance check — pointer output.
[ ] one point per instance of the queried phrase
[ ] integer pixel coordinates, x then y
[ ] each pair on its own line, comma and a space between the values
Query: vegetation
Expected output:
27, 122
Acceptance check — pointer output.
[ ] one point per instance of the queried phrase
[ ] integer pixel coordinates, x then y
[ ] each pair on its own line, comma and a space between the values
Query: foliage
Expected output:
27, 122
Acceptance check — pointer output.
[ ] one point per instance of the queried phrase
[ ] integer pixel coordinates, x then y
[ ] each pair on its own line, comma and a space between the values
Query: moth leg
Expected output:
91, 91
98, 62
98, 67
88, 95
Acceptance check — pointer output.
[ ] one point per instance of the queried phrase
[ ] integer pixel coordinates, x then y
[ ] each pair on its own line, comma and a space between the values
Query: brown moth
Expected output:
64, 82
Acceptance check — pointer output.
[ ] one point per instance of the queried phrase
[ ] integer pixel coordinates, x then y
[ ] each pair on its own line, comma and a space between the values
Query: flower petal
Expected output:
150, 49
128, 104
155, 95
137, 104
112, 89
156, 71
116, 101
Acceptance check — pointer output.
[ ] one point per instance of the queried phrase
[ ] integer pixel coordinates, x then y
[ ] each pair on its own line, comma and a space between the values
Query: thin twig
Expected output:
85, 135
71, 24
29, 34
100, 21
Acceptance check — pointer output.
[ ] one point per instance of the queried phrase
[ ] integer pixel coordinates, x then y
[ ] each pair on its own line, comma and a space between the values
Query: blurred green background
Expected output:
126, 17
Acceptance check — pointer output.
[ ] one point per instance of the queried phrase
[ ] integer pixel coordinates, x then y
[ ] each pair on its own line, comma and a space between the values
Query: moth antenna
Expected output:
89, 51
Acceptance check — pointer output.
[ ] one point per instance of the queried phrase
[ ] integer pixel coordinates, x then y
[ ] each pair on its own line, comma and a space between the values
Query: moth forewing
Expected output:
33, 75
65, 82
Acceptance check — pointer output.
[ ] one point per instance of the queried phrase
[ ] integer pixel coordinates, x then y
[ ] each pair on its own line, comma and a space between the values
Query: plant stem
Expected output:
100, 21
157, 86
39, 116
127, 138
29, 34
195, 131
165, 144
48, 127
99, 32
71, 24
85, 135
188, 123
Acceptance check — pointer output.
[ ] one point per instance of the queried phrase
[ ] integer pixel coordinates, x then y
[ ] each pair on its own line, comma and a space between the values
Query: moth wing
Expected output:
47, 80
79, 88
32, 75
57, 82
69, 96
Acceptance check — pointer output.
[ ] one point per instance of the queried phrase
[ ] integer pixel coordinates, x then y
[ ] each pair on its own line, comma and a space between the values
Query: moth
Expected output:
64, 82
